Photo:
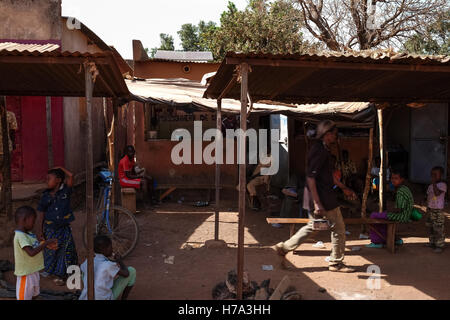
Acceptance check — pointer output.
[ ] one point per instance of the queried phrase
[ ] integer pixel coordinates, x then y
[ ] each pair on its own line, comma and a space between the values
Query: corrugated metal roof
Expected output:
55, 73
376, 76
21, 47
183, 93
184, 56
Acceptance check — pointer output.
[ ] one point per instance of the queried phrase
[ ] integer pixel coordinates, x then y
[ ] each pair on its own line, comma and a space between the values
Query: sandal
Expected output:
375, 245
59, 282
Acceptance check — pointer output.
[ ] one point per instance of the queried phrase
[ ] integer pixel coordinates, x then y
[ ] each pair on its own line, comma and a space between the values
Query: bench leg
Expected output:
291, 230
390, 239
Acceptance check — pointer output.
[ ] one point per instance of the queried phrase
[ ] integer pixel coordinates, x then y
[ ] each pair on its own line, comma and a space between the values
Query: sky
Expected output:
119, 22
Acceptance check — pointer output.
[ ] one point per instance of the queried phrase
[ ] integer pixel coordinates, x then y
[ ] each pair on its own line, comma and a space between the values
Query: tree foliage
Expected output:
167, 43
436, 39
365, 24
267, 27
191, 36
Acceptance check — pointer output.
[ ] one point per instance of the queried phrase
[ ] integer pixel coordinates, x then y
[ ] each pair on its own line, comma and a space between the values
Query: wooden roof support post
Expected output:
48, 111
219, 136
116, 189
242, 177
6, 194
90, 218
382, 162
368, 178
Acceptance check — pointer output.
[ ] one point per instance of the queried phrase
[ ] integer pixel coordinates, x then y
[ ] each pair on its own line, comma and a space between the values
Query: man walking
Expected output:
320, 181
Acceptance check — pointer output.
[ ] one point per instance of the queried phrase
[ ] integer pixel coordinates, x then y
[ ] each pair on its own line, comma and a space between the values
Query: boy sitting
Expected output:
111, 277
404, 205
28, 256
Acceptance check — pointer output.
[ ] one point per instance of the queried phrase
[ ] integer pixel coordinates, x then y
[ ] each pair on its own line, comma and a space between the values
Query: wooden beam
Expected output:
229, 86
382, 164
242, 178
48, 112
50, 60
165, 194
346, 220
90, 217
116, 191
219, 132
368, 178
339, 65
6, 194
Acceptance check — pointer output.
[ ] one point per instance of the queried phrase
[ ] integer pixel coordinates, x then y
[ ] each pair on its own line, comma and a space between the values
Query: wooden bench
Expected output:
391, 227
129, 199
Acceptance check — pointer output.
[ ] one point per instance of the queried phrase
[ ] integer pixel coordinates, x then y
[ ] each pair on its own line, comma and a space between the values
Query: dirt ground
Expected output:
414, 272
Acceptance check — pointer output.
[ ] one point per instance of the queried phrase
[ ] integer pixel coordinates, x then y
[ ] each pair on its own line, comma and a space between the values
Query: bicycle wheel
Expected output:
124, 231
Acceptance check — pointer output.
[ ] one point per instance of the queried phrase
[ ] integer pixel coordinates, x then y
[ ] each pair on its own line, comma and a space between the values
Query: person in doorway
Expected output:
12, 127
348, 168
112, 278
320, 182
54, 218
257, 179
404, 205
435, 205
132, 177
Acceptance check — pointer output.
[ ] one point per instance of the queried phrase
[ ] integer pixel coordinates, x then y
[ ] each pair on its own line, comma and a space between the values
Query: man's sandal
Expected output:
341, 268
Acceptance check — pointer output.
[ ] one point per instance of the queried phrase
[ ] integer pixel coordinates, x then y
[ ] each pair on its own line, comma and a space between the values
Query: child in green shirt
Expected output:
28, 256
404, 205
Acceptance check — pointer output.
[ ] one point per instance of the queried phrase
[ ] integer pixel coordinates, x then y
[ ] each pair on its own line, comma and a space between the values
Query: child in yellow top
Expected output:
28, 256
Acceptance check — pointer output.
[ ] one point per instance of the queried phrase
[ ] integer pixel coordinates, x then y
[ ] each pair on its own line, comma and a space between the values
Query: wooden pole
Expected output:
242, 178
368, 178
219, 132
116, 191
381, 133
90, 219
6, 194
48, 111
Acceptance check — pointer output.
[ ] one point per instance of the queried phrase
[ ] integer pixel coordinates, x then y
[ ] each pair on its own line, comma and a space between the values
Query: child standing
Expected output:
435, 204
111, 278
404, 205
28, 254
55, 216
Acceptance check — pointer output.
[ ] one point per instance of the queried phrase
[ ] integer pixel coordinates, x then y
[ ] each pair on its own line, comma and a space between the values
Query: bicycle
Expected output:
114, 221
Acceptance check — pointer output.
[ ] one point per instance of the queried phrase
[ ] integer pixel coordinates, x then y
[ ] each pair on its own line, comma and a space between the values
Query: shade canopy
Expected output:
55, 73
371, 77
188, 95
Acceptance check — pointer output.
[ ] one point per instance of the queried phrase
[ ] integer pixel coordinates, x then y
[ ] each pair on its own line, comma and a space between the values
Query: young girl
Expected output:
55, 216
435, 205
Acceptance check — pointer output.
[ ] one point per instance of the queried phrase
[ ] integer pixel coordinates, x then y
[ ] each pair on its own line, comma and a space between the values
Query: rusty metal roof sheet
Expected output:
374, 76
55, 73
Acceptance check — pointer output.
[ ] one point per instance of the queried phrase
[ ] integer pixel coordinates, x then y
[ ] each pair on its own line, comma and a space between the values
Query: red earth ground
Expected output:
414, 272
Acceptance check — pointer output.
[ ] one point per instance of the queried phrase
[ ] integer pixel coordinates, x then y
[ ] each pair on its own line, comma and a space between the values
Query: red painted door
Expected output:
30, 162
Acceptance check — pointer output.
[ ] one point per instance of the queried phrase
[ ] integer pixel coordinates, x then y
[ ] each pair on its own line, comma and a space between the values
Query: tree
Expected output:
264, 26
436, 39
364, 24
167, 43
191, 36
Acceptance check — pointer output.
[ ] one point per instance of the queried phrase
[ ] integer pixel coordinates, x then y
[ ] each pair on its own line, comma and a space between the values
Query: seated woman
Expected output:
404, 205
